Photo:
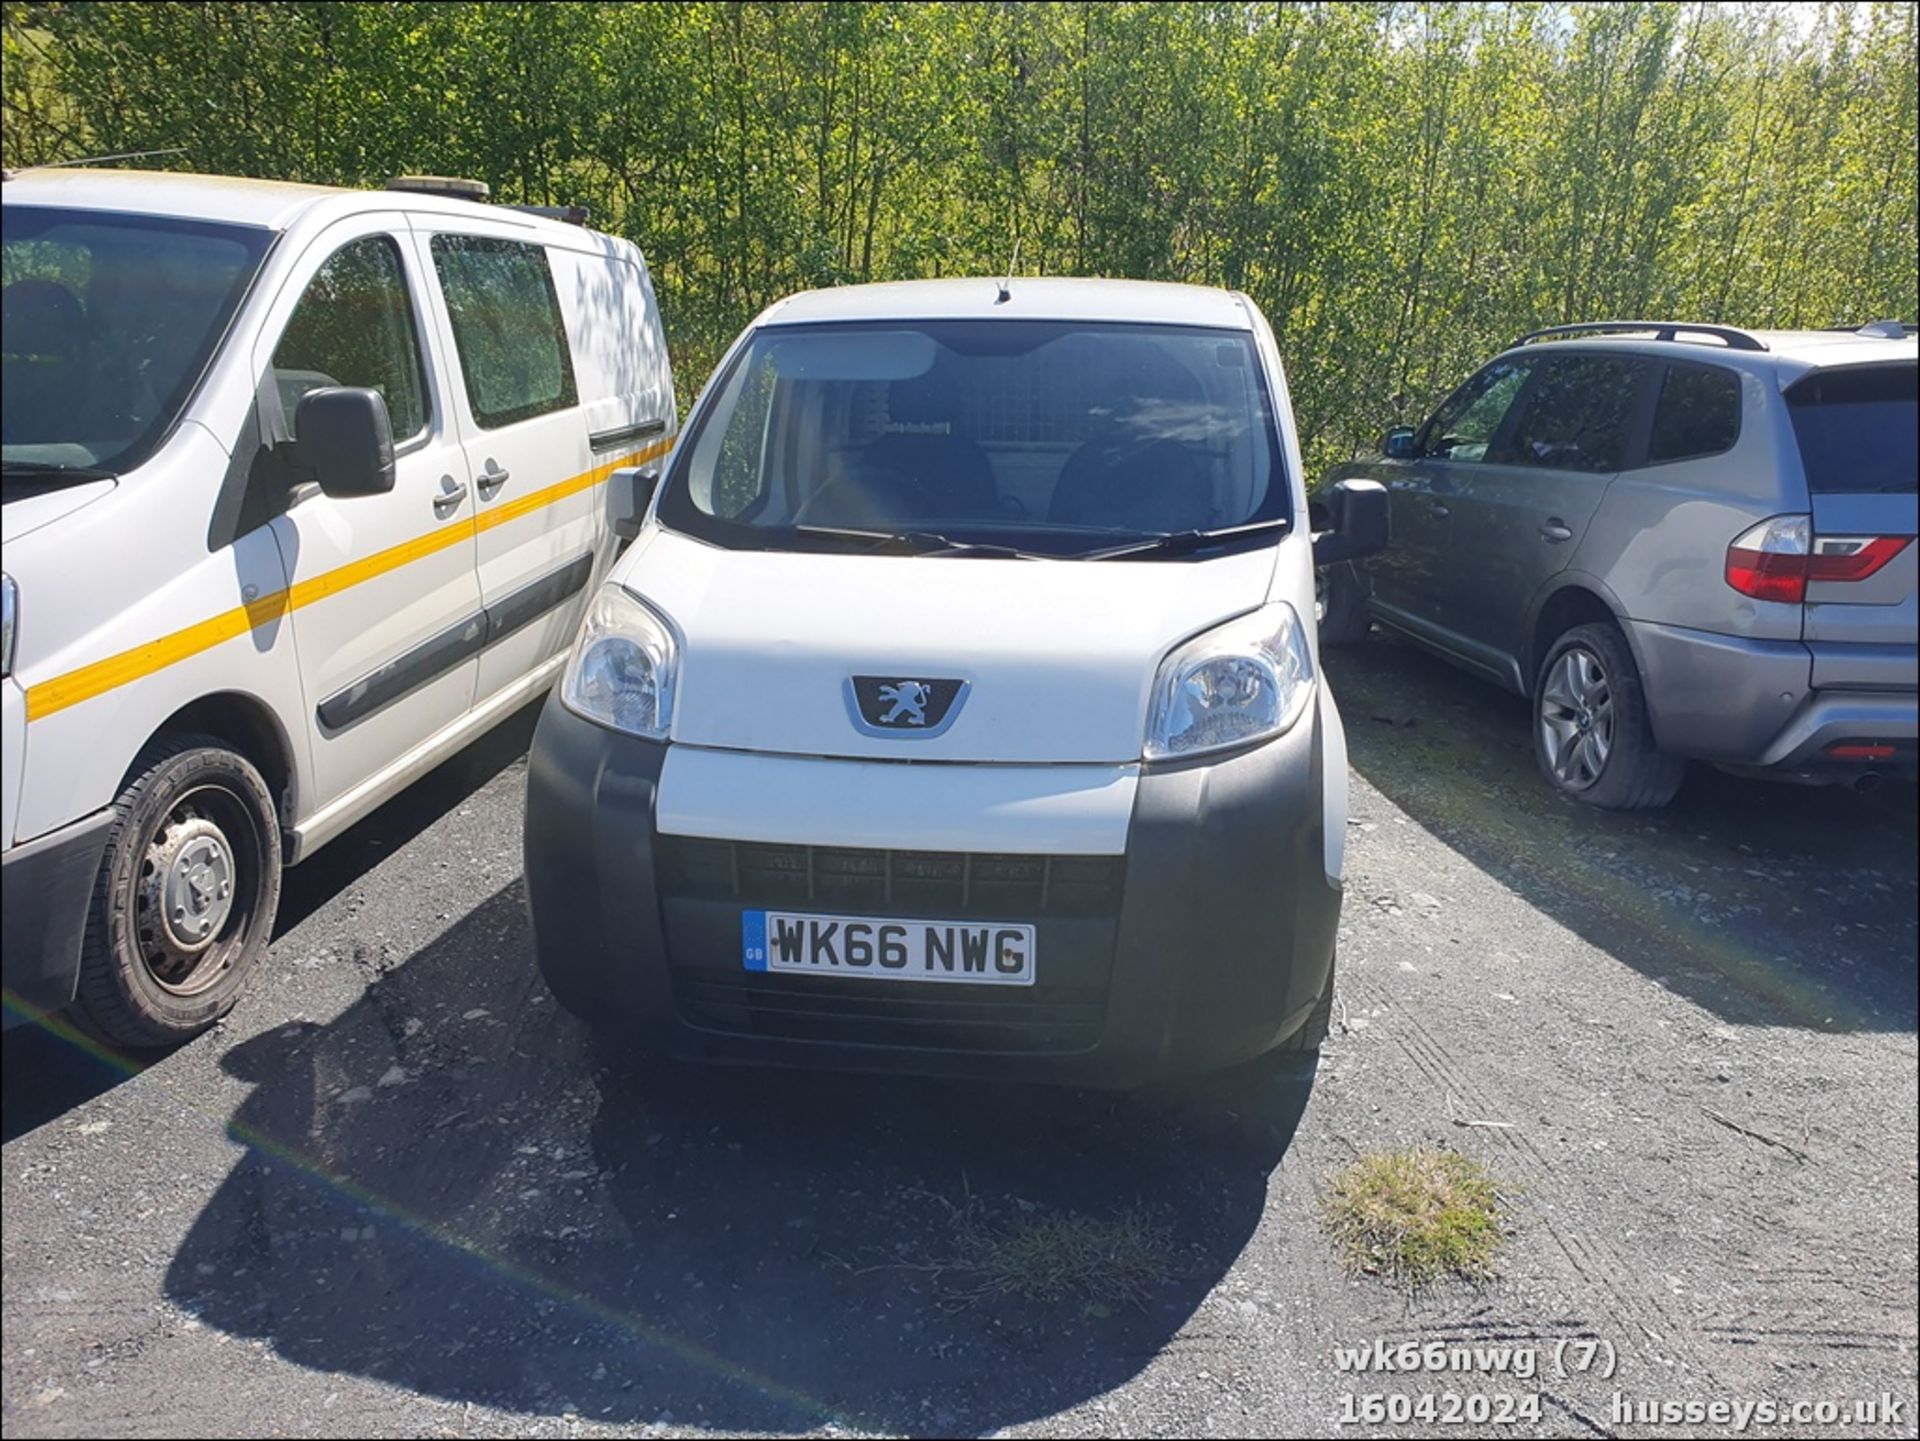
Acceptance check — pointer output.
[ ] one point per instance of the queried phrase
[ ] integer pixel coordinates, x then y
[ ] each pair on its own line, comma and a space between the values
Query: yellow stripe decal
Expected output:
143, 660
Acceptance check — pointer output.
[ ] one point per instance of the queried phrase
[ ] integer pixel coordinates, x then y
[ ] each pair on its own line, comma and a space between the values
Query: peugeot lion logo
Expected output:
903, 706
909, 698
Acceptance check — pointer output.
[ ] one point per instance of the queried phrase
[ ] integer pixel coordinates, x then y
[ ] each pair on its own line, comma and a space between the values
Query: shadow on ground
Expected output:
1766, 903
509, 1220
49, 1068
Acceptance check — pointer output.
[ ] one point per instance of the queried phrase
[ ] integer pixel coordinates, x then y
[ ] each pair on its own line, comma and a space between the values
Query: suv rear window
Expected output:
1857, 428
1698, 414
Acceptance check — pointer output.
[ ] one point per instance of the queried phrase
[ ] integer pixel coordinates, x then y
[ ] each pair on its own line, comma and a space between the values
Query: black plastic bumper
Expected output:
45, 887
1218, 949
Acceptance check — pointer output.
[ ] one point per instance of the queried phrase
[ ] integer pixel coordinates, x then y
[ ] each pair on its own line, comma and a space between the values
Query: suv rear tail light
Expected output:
1769, 560
1853, 557
1778, 558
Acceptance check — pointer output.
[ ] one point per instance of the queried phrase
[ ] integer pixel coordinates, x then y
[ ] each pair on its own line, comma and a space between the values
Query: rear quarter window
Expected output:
1858, 429
1698, 413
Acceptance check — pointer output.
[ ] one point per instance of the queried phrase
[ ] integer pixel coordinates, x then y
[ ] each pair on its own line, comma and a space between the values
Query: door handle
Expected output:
492, 479
452, 492
1555, 531
1440, 512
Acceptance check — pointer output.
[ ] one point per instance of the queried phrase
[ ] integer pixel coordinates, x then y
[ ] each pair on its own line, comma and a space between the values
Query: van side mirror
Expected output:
1398, 443
1361, 522
346, 440
629, 492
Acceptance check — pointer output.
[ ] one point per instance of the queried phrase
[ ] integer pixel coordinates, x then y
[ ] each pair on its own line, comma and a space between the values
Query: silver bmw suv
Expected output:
1684, 542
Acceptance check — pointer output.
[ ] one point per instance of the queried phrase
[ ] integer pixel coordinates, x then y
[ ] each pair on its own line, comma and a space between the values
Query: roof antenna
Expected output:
1006, 286
97, 160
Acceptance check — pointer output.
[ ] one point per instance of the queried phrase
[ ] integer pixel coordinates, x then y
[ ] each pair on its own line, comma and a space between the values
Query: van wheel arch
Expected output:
249, 726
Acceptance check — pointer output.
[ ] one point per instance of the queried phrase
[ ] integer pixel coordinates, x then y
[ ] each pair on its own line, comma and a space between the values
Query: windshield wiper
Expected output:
42, 469
918, 542
1185, 542
22, 479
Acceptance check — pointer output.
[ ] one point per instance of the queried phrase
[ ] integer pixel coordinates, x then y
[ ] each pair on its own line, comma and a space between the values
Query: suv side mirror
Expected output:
1361, 522
629, 491
1398, 443
346, 440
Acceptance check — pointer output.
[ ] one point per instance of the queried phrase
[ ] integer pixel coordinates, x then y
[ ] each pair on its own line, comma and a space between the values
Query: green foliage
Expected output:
1400, 187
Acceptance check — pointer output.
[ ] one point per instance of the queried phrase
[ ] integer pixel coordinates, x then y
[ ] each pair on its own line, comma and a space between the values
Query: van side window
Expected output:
507, 327
1577, 415
1698, 413
354, 326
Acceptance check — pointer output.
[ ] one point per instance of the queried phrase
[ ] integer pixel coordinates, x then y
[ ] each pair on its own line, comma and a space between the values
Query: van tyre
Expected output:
1591, 733
1340, 595
1313, 1032
185, 899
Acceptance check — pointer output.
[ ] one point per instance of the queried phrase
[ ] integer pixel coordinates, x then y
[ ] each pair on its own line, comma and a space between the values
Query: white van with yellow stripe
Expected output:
302, 490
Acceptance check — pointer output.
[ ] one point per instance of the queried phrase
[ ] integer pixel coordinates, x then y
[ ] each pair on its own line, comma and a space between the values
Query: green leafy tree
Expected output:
1401, 187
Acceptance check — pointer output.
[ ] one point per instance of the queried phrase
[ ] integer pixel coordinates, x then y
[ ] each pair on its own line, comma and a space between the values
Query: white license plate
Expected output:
989, 953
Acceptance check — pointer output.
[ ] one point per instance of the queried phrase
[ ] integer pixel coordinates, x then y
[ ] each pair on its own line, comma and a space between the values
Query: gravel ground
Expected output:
396, 1193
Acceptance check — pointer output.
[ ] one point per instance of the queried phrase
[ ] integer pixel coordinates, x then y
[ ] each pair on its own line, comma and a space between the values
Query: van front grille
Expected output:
955, 885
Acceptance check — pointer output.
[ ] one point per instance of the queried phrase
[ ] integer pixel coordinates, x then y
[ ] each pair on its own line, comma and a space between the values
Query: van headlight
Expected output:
623, 666
1244, 681
9, 620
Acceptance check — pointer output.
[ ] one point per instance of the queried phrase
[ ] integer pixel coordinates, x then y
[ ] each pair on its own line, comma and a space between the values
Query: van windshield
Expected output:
1053, 438
107, 322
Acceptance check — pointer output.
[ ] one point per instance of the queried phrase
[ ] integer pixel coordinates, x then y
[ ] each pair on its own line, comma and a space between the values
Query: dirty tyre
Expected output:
1340, 603
1591, 734
185, 899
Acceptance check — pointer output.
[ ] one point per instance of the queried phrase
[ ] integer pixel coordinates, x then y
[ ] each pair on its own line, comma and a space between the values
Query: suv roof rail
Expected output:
1662, 330
1880, 329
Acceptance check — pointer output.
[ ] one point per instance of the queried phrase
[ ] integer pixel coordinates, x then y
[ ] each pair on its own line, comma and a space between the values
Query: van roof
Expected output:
1029, 298
272, 204
268, 204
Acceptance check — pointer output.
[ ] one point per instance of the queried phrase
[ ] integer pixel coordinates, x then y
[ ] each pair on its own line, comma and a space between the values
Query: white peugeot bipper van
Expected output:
303, 490
958, 706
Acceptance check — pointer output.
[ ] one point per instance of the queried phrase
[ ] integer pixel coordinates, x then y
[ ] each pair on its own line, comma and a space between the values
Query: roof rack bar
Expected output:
1878, 329
571, 214
1662, 330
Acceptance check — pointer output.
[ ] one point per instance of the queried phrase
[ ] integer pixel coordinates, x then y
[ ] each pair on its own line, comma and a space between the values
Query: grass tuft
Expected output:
1417, 1217
1001, 1253
1116, 1260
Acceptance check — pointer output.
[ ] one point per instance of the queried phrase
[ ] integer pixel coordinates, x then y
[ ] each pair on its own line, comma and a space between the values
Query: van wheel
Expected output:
186, 895
1340, 603
1591, 734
